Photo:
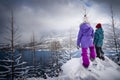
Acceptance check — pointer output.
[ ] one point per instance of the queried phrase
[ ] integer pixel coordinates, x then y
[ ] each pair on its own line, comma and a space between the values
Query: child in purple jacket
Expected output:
85, 41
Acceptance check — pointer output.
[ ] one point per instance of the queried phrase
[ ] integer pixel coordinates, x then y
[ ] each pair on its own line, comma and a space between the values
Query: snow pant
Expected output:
85, 57
100, 53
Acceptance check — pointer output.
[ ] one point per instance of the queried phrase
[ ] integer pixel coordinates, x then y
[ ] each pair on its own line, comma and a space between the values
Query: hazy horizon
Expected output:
44, 16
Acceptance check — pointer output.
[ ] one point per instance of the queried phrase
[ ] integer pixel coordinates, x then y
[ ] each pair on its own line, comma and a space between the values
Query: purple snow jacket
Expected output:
85, 35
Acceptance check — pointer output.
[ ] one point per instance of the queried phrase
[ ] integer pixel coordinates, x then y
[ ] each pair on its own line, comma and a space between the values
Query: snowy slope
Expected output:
73, 70
104, 70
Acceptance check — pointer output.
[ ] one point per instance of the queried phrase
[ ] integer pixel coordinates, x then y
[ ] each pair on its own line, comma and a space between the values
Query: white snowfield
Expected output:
98, 70
104, 70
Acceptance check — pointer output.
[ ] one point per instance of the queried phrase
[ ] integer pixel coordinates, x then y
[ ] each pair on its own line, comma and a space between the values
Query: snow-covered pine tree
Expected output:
11, 64
55, 47
113, 39
113, 29
32, 70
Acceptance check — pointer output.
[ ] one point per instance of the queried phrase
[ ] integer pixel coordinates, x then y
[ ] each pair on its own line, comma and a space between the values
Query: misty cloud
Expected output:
107, 3
42, 16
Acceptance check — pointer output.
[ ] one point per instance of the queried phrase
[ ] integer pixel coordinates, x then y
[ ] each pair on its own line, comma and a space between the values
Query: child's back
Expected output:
85, 39
85, 35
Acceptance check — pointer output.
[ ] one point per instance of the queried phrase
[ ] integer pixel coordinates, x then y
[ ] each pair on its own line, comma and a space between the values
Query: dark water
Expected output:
27, 56
42, 58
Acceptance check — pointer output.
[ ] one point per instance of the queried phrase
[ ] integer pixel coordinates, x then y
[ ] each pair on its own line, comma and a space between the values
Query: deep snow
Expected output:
98, 70
104, 70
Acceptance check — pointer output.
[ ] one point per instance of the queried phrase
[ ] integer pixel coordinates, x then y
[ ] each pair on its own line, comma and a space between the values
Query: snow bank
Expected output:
98, 70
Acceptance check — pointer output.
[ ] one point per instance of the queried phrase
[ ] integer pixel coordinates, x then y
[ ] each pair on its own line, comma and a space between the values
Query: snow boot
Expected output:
92, 59
102, 57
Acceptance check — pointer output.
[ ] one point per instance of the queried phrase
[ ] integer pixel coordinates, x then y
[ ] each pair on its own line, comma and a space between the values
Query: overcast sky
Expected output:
41, 16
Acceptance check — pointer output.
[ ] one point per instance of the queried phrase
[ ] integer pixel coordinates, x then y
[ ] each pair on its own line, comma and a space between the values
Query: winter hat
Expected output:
98, 25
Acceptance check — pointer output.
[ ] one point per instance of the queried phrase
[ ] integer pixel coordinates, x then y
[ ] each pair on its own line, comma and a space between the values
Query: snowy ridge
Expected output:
104, 70
98, 70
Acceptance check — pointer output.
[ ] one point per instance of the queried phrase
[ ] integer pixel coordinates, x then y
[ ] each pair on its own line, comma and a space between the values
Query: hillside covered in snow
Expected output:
98, 70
